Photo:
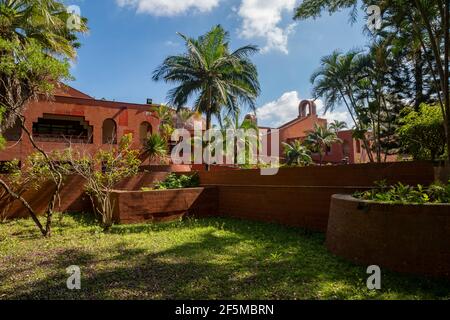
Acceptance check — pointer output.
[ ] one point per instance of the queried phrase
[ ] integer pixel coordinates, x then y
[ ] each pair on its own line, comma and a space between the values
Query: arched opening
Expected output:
307, 108
109, 132
14, 133
145, 130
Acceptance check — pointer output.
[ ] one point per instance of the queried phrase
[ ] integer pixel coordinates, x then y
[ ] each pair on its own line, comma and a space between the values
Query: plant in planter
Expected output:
174, 181
156, 147
400, 193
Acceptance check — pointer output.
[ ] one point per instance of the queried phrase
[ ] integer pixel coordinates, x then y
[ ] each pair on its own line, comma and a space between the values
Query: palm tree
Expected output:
208, 71
231, 123
336, 81
166, 123
337, 126
297, 154
320, 139
44, 21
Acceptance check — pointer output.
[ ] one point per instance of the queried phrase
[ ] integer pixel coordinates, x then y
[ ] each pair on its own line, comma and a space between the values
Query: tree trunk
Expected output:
418, 79
208, 126
26, 205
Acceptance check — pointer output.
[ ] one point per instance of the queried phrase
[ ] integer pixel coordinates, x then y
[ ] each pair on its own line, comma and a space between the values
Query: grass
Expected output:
191, 259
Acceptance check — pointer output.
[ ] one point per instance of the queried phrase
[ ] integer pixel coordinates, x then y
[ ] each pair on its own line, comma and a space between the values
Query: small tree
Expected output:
35, 172
102, 171
297, 154
320, 139
422, 134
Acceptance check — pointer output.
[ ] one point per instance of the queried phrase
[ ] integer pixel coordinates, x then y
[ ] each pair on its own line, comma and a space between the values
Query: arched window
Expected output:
145, 130
109, 132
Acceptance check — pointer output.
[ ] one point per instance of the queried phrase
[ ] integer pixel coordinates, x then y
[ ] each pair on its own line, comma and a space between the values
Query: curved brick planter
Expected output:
405, 238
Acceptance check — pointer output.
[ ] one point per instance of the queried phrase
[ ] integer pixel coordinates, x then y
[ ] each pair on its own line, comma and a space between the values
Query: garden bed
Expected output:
410, 238
163, 205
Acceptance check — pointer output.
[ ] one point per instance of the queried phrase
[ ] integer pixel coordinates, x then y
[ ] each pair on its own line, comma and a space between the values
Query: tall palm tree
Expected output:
336, 81
320, 139
297, 154
209, 71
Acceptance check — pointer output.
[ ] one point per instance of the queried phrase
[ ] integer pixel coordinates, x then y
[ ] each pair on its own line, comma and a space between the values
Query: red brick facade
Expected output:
299, 128
96, 115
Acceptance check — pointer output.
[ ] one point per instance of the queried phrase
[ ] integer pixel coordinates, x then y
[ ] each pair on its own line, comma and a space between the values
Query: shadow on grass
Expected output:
227, 259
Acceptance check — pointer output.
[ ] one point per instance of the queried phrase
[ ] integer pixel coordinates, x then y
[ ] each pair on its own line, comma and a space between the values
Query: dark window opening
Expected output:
53, 128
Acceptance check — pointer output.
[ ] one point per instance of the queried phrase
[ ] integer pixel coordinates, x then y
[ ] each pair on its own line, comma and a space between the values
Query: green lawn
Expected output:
192, 259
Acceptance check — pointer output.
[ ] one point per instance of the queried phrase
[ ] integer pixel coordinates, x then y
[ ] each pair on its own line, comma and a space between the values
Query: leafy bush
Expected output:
422, 133
435, 193
174, 181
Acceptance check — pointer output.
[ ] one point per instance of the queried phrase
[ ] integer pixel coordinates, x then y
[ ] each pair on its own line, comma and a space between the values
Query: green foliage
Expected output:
156, 146
209, 70
26, 72
297, 154
102, 171
166, 125
402, 66
320, 139
435, 193
337, 126
422, 133
43, 22
174, 181
244, 134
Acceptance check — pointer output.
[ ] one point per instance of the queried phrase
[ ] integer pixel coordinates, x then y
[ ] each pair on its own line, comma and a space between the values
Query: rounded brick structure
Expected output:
405, 238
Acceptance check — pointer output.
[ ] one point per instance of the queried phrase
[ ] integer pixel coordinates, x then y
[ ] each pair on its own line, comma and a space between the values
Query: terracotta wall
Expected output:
128, 118
295, 196
72, 199
164, 205
404, 238
301, 196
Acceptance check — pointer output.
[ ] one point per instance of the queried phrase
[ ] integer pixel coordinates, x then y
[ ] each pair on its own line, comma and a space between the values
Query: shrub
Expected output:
422, 133
435, 193
156, 147
174, 181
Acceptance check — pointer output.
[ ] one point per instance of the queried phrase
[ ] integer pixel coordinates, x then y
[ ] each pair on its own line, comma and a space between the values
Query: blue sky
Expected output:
128, 39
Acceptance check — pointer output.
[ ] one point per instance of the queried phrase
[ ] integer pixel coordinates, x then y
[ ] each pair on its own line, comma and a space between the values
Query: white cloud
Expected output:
262, 19
285, 109
169, 7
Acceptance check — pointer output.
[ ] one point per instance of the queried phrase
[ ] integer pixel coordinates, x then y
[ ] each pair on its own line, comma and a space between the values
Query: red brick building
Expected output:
84, 121
297, 129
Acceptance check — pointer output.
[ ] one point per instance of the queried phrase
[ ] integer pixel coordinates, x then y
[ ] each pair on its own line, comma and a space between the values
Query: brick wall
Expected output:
301, 196
295, 196
72, 198
404, 238
164, 205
